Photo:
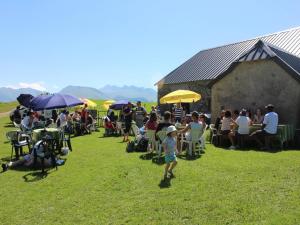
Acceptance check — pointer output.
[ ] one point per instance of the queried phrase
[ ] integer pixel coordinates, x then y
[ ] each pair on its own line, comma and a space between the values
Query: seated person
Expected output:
152, 124
27, 122
258, 117
226, 127
219, 120
109, 126
40, 150
243, 122
194, 125
165, 123
17, 115
269, 127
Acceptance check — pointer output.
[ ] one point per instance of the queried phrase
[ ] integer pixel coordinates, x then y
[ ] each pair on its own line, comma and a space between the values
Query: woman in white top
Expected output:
226, 128
194, 125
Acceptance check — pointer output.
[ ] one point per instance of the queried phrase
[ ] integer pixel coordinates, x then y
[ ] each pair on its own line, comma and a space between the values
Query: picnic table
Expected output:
285, 133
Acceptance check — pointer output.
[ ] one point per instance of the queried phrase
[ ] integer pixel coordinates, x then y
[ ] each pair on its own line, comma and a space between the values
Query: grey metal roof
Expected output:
260, 51
208, 64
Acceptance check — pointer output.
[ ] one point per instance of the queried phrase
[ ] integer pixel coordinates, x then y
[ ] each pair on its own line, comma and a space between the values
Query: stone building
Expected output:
249, 74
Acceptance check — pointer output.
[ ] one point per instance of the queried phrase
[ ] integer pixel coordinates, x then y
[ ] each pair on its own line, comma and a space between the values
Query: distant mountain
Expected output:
131, 93
10, 94
84, 92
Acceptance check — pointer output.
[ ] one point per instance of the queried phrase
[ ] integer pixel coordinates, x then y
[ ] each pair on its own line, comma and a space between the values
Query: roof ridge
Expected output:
250, 39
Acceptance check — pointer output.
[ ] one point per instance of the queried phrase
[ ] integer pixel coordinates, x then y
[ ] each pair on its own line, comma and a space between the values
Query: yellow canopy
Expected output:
108, 103
88, 102
184, 96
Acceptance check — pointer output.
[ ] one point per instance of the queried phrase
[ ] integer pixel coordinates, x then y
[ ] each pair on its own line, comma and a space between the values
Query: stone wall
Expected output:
198, 86
253, 85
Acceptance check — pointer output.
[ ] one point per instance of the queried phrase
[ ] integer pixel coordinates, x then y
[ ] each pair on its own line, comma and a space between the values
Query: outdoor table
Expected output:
285, 132
38, 134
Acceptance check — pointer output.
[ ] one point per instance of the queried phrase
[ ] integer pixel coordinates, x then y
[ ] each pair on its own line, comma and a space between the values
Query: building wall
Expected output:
199, 86
253, 85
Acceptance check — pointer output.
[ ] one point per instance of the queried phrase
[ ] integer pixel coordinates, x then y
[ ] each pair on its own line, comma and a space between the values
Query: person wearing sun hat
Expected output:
170, 149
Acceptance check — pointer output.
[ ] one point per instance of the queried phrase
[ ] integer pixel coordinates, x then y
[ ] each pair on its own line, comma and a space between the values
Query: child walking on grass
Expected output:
169, 145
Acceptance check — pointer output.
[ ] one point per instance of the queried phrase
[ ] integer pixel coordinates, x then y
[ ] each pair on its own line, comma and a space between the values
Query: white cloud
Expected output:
36, 85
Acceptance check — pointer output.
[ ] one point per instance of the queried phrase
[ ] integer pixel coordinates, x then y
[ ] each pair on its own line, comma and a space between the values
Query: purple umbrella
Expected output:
55, 101
24, 99
118, 105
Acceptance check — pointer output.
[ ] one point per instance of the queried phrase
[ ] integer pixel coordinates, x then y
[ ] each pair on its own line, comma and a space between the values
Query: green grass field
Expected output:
102, 184
7, 106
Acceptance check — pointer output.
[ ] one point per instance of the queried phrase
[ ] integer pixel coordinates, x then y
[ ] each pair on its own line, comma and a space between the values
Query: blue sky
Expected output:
54, 43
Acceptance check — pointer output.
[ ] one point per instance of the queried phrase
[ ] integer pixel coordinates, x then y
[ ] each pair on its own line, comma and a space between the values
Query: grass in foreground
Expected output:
101, 184
7, 106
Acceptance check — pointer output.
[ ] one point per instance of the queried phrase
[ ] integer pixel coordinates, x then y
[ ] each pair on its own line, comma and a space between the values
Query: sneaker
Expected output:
232, 147
171, 174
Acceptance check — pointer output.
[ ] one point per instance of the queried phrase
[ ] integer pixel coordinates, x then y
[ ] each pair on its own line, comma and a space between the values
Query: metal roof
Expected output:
262, 50
210, 63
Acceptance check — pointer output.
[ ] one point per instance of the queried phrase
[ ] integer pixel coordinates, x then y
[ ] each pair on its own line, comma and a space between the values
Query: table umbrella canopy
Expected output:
55, 101
108, 103
24, 99
89, 102
184, 96
118, 105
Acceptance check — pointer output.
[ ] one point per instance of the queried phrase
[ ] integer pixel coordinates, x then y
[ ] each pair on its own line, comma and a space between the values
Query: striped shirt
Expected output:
178, 112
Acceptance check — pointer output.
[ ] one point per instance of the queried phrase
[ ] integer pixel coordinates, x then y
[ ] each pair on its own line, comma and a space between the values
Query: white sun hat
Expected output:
171, 129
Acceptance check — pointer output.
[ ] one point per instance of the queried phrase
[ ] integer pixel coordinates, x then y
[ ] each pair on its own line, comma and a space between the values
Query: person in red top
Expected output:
152, 122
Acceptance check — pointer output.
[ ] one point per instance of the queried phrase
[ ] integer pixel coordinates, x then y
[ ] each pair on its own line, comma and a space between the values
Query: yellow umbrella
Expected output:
108, 103
179, 96
88, 102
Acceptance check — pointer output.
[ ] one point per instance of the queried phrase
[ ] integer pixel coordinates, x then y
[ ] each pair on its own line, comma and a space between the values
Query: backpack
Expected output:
130, 146
142, 145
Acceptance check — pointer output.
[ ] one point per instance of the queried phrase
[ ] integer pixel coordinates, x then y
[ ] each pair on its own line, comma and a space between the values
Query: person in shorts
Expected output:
170, 149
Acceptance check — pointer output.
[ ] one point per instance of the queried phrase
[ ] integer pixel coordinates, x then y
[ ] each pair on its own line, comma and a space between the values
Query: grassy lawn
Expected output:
101, 184
7, 106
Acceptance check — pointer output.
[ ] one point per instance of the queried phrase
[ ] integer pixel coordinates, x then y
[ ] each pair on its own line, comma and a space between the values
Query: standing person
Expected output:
140, 114
27, 122
170, 149
219, 119
269, 127
178, 113
17, 115
54, 115
127, 112
84, 117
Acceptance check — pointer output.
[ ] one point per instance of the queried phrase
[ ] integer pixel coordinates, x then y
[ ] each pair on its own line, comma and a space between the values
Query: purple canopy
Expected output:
118, 105
55, 101
24, 99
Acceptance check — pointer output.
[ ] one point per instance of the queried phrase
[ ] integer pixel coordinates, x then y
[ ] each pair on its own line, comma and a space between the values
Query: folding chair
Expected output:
17, 143
150, 134
161, 137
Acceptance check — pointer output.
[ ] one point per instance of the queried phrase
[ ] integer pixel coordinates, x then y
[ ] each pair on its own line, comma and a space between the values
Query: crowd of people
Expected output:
79, 122
230, 124
237, 124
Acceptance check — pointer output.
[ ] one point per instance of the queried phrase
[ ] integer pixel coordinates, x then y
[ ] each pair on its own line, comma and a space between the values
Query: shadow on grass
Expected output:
9, 125
35, 176
147, 156
165, 183
189, 158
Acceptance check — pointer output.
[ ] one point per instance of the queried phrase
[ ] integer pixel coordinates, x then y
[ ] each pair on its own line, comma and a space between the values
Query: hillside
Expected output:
85, 92
10, 94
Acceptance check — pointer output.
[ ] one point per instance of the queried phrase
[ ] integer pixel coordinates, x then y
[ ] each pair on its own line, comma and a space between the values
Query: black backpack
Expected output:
142, 145
131, 146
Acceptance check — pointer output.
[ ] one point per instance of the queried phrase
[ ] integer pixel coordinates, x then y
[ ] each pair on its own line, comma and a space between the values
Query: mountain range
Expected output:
131, 93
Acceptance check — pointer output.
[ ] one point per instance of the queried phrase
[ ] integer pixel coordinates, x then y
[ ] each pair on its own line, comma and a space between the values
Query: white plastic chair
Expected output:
150, 134
119, 128
135, 129
195, 139
161, 137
